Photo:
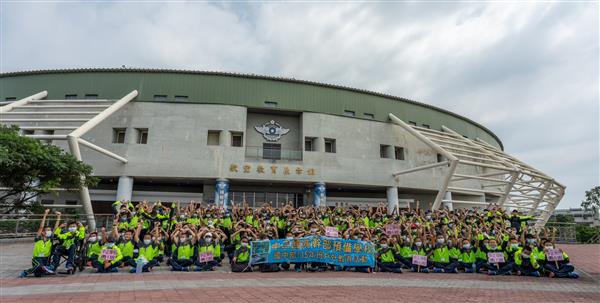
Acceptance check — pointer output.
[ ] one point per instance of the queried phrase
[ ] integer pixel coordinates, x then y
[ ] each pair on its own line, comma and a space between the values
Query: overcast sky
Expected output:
527, 71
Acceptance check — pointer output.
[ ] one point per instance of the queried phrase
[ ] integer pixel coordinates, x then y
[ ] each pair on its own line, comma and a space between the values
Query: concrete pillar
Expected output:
447, 201
392, 198
222, 193
319, 197
125, 188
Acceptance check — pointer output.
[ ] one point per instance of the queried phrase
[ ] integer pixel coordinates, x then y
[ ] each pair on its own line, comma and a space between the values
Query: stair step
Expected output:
63, 106
50, 113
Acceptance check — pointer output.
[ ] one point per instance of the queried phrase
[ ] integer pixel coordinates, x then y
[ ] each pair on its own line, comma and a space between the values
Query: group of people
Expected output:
199, 237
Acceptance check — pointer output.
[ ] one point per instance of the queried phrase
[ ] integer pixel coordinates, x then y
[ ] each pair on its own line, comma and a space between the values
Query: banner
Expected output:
205, 257
419, 260
314, 249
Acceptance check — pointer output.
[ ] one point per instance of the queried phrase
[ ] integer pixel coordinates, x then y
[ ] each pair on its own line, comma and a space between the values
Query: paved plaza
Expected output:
162, 285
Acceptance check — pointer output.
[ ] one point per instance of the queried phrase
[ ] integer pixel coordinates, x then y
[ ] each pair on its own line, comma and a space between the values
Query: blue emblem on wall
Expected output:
272, 131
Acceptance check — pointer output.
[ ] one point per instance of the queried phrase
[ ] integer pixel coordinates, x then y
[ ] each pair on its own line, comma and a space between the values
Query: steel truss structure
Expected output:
74, 118
500, 178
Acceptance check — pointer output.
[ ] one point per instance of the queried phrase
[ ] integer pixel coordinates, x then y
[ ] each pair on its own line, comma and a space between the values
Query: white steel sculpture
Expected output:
502, 179
53, 108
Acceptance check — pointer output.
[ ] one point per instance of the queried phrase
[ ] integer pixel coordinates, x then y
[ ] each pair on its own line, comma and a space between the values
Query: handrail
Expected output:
6, 108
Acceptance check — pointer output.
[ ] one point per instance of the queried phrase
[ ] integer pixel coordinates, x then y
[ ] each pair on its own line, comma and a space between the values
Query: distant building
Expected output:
582, 216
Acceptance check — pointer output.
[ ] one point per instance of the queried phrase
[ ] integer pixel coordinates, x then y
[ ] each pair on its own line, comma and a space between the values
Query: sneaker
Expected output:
492, 273
454, 271
114, 269
468, 271
413, 269
573, 275
23, 274
298, 269
437, 270
185, 269
132, 271
198, 268
47, 270
425, 270
536, 274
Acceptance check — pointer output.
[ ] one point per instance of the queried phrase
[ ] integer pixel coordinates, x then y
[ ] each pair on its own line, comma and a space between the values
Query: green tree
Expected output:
592, 199
29, 168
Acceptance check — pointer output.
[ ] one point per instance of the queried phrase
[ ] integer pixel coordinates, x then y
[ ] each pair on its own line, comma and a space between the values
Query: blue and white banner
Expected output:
334, 251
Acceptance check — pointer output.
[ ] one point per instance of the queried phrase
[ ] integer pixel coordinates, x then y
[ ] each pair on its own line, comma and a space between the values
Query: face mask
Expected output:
384, 245
418, 243
244, 244
514, 245
93, 239
123, 219
182, 240
48, 233
313, 230
440, 241
147, 241
72, 229
208, 239
467, 246
493, 247
110, 244
525, 256
549, 247
289, 238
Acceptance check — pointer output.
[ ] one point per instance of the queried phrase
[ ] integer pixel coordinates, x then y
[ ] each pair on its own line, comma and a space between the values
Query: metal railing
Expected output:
259, 152
565, 231
27, 225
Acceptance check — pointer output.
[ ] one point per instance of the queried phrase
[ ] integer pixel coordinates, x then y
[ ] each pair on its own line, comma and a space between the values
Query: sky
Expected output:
529, 71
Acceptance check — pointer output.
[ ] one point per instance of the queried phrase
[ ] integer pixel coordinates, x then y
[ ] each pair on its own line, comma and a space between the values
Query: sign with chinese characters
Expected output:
272, 131
335, 251
419, 260
554, 255
205, 257
392, 229
331, 231
285, 170
495, 257
108, 254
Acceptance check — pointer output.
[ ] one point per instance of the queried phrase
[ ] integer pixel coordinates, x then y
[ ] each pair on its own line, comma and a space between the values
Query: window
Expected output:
349, 113
399, 152
118, 135
214, 136
237, 139
426, 126
369, 116
440, 158
10, 98
27, 132
160, 97
181, 98
47, 202
309, 143
412, 123
329, 145
70, 96
384, 151
271, 151
270, 104
142, 135
91, 96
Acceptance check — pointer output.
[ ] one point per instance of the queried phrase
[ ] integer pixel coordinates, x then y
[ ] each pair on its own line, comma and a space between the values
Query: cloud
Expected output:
528, 71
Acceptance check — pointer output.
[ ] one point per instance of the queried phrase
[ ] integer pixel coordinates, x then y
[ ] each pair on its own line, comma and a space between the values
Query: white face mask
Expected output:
93, 239
549, 247
48, 233
418, 243
244, 244
110, 244
208, 239
72, 229
440, 241
147, 241
182, 240
289, 238
313, 230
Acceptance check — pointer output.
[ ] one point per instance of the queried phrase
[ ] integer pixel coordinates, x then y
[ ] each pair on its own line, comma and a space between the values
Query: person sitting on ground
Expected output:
110, 257
42, 250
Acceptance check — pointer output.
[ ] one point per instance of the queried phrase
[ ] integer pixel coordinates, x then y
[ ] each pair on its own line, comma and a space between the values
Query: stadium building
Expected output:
226, 138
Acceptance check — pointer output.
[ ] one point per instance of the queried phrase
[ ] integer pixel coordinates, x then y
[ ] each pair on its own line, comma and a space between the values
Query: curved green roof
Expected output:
235, 89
